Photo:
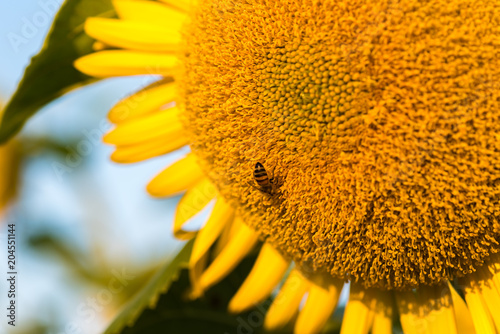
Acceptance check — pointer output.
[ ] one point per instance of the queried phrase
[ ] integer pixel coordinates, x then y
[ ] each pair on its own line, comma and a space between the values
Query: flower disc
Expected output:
380, 122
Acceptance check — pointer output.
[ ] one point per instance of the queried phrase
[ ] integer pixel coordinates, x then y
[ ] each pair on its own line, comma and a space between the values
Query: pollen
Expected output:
379, 120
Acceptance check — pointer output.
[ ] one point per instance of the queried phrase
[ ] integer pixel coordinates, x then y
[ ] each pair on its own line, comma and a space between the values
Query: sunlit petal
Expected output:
266, 273
150, 12
143, 102
320, 304
382, 321
483, 323
222, 215
286, 304
236, 249
359, 312
142, 151
143, 129
184, 5
430, 310
193, 201
133, 35
112, 63
179, 177
463, 317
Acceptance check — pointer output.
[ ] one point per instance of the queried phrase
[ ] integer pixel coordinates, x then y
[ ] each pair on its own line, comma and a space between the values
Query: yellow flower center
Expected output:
380, 122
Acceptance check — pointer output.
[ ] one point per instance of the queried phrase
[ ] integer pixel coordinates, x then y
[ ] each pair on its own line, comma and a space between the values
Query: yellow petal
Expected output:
99, 46
111, 63
150, 149
496, 281
196, 269
222, 215
490, 297
267, 272
320, 304
479, 312
143, 102
382, 321
409, 313
178, 177
236, 249
149, 12
463, 317
286, 304
184, 5
193, 201
359, 312
132, 35
227, 234
442, 320
429, 310
145, 128
494, 269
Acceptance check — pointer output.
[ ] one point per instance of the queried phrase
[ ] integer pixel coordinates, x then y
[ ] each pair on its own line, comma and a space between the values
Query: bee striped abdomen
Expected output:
260, 175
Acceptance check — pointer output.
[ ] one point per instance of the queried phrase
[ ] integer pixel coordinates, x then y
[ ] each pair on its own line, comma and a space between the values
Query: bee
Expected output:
265, 183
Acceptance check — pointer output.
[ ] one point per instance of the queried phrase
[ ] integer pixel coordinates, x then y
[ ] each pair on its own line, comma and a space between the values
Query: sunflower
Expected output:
377, 124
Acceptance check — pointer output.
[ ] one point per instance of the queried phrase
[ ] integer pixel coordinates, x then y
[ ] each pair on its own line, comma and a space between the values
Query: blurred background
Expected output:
84, 224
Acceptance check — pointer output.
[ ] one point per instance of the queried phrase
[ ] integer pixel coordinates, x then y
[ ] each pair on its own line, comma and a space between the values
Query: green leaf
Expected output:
51, 72
149, 295
174, 313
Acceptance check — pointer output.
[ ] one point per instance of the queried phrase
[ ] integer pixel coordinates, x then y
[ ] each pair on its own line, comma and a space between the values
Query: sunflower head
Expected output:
380, 123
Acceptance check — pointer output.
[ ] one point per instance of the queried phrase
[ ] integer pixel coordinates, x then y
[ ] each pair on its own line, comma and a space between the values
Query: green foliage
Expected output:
148, 296
85, 267
172, 312
51, 72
